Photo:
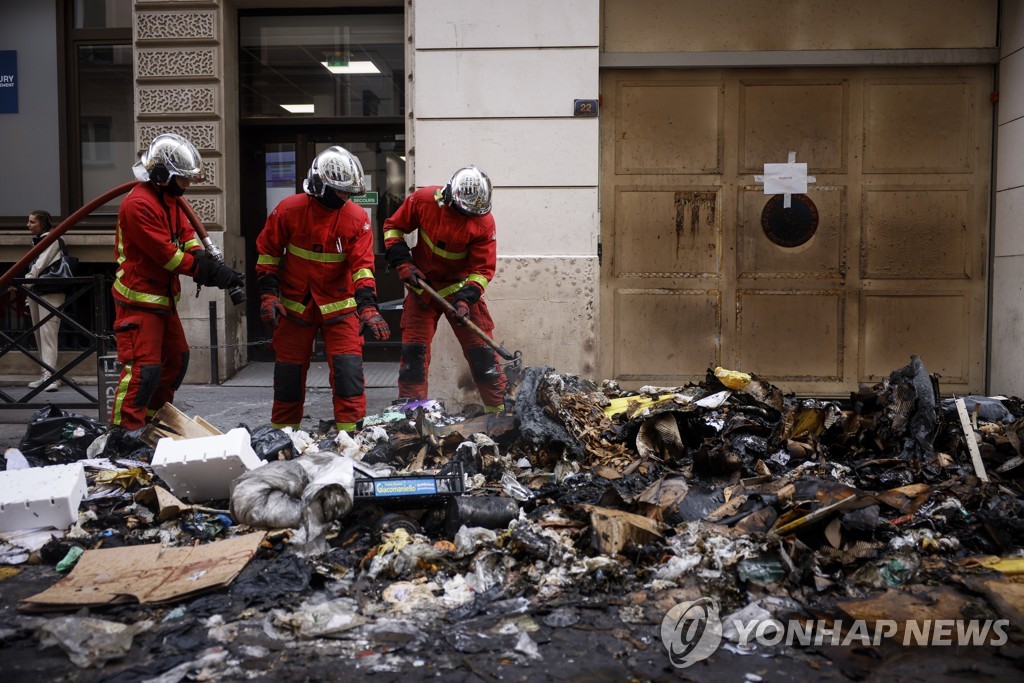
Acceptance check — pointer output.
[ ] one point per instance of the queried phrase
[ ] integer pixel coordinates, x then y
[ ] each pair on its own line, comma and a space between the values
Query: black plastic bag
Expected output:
55, 436
270, 443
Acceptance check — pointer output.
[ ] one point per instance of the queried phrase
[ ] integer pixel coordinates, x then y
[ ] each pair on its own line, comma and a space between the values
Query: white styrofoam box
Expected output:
203, 468
40, 497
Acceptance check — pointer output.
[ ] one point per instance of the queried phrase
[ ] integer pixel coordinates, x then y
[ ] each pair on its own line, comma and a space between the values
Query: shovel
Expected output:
514, 359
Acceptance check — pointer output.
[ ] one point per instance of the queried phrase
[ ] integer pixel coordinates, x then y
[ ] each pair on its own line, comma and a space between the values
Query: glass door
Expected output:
274, 164
309, 79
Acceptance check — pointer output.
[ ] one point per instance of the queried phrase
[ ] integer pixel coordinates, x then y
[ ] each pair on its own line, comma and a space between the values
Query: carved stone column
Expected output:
180, 65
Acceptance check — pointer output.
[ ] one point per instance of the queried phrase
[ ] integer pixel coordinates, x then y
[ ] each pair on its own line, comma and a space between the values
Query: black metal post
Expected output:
214, 370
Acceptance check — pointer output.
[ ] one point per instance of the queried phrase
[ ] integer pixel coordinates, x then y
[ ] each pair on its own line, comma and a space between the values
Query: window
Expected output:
100, 106
319, 66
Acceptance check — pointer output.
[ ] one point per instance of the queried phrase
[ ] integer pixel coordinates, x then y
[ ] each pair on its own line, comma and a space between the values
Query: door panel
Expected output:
896, 265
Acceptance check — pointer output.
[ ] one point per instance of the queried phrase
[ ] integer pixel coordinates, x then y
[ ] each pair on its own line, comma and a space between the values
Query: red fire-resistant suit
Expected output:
453, 250
154, 243
317, 258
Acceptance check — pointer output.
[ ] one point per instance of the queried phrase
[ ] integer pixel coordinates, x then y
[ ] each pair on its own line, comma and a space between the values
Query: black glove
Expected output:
467, 295
212, 273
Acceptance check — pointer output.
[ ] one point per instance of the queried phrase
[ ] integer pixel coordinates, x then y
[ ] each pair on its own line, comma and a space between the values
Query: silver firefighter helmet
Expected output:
169, 155
335, 168
470, 191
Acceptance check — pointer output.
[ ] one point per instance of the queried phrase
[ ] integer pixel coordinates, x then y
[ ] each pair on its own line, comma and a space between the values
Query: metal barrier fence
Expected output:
96, 345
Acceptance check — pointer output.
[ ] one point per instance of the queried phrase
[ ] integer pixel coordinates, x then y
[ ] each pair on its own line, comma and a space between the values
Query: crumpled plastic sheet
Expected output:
314, 618
305, 494
705, 552
210, 665
90, 642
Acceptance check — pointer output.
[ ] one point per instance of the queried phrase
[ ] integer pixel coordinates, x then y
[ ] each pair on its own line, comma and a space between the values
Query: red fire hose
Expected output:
73, 219
51, 237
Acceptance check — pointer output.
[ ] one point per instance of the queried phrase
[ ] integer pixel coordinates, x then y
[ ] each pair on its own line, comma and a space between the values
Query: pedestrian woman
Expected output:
39, 223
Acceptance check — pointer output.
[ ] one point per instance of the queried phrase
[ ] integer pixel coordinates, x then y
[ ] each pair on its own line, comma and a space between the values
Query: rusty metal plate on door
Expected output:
789, 227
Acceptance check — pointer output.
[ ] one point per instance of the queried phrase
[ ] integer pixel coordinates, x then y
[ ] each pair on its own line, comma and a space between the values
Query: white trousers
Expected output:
46, 335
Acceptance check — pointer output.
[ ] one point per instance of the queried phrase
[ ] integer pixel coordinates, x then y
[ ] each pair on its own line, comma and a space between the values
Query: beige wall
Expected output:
1006, 369
728, 25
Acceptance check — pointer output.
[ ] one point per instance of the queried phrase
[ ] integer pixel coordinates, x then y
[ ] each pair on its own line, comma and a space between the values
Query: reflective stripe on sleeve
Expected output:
479, 279
393, 234
362, 273
175, 260
268, 260
191, 244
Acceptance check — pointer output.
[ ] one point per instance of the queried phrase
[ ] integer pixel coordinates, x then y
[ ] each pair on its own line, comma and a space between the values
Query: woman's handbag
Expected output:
57, 273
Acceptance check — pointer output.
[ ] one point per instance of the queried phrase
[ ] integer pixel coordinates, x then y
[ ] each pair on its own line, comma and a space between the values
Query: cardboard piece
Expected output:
171, 422
161, 501
147, 574
614, 530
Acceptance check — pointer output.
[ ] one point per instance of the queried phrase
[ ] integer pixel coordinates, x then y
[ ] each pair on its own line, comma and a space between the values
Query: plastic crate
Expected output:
203, 468
40, 497
409, 489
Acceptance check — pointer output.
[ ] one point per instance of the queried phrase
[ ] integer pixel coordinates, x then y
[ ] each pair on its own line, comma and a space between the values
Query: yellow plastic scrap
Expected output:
124, 478
732, 379
1011, 566
394, 542
634, 404
808, 422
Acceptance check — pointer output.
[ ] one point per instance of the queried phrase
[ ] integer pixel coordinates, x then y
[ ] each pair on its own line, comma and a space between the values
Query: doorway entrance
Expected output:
309, 79
273, 165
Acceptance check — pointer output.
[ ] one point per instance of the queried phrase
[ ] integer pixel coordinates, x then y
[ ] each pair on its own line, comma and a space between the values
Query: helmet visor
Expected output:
471, 191
340, 170
177, 155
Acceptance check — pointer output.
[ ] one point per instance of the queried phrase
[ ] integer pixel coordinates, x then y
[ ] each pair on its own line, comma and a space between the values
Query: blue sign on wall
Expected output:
8, 81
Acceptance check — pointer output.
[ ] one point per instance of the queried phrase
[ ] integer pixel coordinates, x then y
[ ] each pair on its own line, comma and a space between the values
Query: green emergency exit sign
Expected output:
368, 199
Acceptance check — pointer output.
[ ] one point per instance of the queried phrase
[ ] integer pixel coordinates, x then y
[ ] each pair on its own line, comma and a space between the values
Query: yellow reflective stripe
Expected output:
279, 425
294, 306
361, 273
268, 260
345, 426
175, 261
389, 234
479, 279
120, 245
451, 255
316, 255
451, 289
338, 306
494, 409
122, 392
141, 296
191, 243
150, 412
120, 272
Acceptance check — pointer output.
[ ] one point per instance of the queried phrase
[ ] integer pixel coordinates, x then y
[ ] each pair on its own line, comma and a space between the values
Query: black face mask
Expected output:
331, 200
174, 189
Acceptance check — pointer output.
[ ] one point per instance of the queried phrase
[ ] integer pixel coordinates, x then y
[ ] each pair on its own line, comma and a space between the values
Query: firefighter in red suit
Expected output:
315, 271
455, 254
154, 244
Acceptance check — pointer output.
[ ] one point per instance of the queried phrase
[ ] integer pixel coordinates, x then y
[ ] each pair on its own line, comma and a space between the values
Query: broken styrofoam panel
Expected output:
203, 468
40, 497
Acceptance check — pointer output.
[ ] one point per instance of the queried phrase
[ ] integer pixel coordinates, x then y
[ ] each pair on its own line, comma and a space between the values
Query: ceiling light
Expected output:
298, 108
353, 68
